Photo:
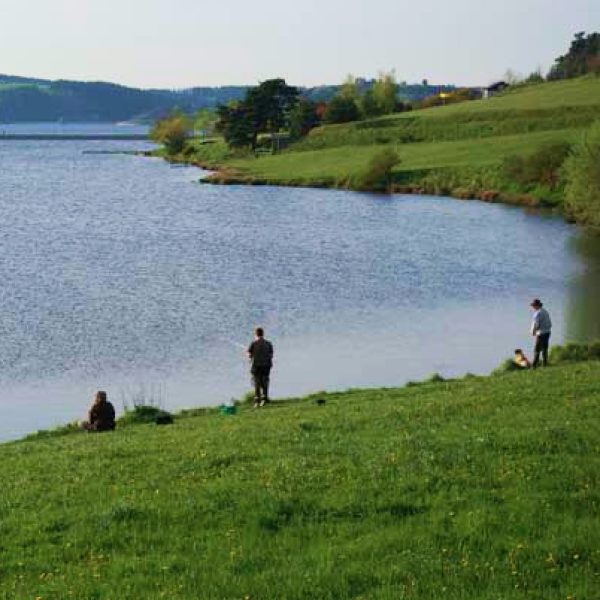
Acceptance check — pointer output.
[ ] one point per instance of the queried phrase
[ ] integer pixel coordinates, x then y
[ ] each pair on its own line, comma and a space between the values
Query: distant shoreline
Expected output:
69, 137
510, 149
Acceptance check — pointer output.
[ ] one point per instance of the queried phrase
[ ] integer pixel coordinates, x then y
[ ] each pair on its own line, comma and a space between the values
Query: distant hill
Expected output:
6, 79
25, 99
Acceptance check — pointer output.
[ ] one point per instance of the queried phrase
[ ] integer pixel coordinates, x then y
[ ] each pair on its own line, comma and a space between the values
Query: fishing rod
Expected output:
234, 343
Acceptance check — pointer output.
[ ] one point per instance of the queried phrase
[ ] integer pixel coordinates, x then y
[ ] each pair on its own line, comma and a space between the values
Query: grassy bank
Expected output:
480, 488
458, 149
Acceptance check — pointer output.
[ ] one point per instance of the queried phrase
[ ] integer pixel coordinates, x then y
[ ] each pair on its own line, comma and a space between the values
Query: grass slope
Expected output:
580, 92
461, 145
339, 164
483, 489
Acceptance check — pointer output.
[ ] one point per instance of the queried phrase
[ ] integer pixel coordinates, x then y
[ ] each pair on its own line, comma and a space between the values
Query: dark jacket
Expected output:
102, 416
261, 353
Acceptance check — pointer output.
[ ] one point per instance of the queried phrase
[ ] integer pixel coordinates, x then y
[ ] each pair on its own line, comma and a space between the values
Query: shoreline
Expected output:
224, 175
509, 149
564, 354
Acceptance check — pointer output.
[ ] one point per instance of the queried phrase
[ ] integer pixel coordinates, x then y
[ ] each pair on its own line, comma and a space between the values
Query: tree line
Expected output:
273, 106
582, 58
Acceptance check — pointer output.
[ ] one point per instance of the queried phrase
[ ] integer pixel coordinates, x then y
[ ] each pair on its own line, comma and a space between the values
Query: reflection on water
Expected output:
583, 306
124, 274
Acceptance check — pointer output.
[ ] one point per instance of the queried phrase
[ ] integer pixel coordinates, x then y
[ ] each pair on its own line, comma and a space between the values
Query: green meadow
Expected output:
456, 149
338, 164
483, 488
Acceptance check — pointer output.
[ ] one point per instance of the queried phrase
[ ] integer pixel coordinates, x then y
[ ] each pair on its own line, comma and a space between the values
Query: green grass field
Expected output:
581, 92
484, 488
340, 163
462, 143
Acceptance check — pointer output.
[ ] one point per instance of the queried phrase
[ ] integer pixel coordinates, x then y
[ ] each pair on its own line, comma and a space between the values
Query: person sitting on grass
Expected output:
521, 360
101, 415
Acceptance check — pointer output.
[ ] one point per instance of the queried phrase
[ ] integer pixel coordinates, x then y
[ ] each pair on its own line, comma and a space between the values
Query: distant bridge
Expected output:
74, 137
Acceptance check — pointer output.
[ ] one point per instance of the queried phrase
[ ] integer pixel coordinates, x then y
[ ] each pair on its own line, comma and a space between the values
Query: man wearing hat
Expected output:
540, 329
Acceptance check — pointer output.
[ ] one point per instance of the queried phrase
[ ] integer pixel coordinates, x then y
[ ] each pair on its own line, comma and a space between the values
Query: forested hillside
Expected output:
24, 99
29, 99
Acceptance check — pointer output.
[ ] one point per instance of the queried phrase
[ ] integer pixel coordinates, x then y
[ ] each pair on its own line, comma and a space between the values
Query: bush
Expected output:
303, 118
575, 352
582, 174
145, 414
378, 175
172, 132
341, 110
435, 378
507, 366
594, 350
543, 167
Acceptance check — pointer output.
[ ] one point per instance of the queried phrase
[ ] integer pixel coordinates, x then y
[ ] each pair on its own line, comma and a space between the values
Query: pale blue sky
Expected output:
182, 43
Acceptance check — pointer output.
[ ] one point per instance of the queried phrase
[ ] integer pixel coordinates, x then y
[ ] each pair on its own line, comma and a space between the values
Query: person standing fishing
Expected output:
541, 327
260, 353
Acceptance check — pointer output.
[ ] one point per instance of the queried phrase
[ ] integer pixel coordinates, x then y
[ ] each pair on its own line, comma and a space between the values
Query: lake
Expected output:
125, 274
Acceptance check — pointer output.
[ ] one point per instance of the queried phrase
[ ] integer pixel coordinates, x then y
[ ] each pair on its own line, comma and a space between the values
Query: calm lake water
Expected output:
123, 273
73, 128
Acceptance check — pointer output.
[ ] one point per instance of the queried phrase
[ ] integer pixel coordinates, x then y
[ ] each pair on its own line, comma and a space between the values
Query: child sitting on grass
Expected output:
521, 360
